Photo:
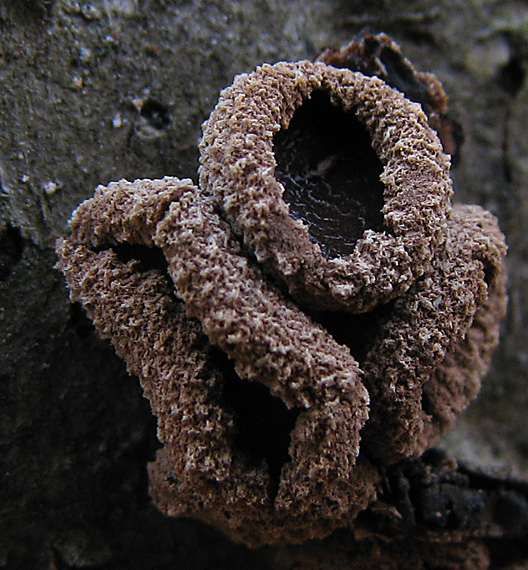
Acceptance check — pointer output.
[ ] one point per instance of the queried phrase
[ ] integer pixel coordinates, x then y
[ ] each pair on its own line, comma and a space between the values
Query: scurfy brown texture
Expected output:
277, 411
240, 151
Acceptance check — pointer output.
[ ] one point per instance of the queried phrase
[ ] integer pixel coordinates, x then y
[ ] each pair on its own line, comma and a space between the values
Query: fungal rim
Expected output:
238, 169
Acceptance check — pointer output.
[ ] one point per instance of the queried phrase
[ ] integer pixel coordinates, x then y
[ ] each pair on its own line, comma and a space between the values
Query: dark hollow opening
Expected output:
147, 258
330, 174
356, 331
263, 421
428, 405
157, 114
490, 273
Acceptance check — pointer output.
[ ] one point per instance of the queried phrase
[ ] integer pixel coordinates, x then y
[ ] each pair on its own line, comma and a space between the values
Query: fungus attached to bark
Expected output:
380, 56
244, 303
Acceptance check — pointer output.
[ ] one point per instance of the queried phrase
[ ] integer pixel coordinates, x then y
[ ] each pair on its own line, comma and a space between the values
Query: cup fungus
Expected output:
332, 179
316, 310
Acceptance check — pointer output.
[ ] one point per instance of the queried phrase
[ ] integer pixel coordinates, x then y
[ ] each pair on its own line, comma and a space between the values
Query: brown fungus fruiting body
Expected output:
396, 179
315, 311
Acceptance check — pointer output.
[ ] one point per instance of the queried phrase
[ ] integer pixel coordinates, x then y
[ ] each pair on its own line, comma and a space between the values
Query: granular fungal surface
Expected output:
292, 355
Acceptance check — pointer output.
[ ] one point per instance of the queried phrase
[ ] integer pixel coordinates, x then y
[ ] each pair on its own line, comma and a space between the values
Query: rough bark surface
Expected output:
96, 91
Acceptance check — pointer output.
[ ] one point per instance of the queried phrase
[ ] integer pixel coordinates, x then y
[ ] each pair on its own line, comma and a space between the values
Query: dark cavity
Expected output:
263, 421
330, 174
146, 257
157, 114
359, 332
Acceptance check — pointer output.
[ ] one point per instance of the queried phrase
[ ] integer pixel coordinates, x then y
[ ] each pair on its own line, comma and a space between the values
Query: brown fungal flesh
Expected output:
315, 390
380, 56
404, 170
436, 339
287, 369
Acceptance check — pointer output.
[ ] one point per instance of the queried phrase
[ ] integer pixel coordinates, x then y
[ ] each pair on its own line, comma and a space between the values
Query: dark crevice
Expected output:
401, 76
148, 258
427, 403
489, 270
11, 250
356, 331
80, 322
490, 273
330, 174
263, 421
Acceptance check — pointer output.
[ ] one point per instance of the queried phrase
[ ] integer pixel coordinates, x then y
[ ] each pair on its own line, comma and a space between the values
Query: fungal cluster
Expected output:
315, 310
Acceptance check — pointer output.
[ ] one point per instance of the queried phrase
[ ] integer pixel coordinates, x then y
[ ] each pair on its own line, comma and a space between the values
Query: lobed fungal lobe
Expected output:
315, 311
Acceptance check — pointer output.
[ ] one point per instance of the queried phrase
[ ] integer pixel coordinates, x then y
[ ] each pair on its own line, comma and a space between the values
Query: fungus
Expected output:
291, 143
287, 366
379, 55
